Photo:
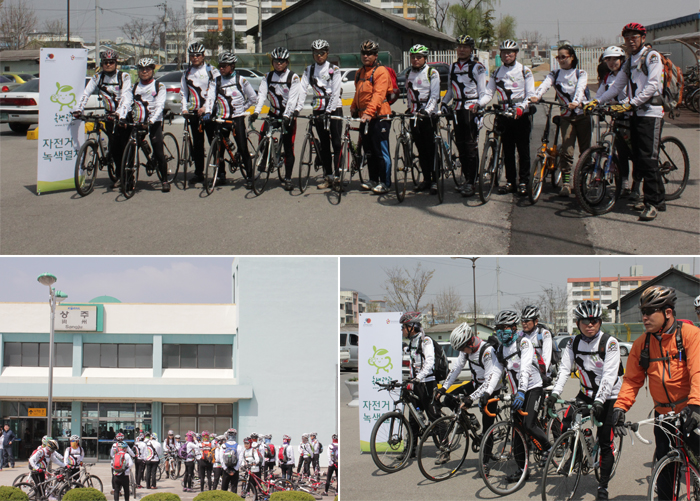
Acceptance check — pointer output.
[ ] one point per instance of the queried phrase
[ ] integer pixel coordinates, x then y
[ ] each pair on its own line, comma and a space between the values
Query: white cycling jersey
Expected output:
191, 452
113, 450
570, 86
232, 96
41, 458
514, 84
333, 454
325, 86
520, 366
465, 83
252, 459
545, 350
145, 102
73, 457
422, 89
283, 96
110, 87
290, 455
606, 84
195, 86
421, 364
481, 366
306, 450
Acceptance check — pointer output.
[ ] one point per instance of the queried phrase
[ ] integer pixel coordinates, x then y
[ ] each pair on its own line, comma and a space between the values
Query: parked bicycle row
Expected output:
527, 429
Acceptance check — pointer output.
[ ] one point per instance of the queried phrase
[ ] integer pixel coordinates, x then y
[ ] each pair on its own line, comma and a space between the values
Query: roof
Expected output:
673, 22
686, 37
397, 21
105, 299
655, 281
19, 55
450, 327
608, 279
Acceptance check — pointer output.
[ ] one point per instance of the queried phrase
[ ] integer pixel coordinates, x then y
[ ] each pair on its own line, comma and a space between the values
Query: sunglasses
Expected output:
589, 321
647, 312
561, 58
109, 62
366, 53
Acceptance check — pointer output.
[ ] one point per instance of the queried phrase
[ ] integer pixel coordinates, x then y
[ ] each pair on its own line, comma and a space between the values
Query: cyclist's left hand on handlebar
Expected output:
691, 419
206, 117
598, 410
552, 400
518, 112
519, 401
619, 422
534, 99
621, 108
484, 400
590, 105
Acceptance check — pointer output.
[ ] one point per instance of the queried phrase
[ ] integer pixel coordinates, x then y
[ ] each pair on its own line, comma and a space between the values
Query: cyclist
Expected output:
570, 84
282, 88
121, 465
217, 465
232, 95
372, 82
600, 382
324, 79
642, 77
515, 86
41, 457
667, 356
252, 460
332, 462
119, 437
306, 452
112, 85
516, 357
74, 455
285, 457
191, 454
317, 448
148, 101
269, 455
170, 447
231, 459
205, 460
195, 87
153, 454
541, 340
696, 303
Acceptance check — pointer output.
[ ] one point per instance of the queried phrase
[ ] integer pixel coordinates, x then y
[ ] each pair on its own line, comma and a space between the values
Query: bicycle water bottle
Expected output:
104, 142
588, 435
146, 148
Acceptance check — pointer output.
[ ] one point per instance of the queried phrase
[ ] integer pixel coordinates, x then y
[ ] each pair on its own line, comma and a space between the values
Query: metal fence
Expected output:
587, 60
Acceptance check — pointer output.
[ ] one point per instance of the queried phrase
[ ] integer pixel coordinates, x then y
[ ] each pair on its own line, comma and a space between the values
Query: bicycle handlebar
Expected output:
486, 410
553, 414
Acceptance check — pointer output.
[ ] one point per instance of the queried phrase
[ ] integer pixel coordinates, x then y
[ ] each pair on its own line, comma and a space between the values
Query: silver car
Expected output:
350, 341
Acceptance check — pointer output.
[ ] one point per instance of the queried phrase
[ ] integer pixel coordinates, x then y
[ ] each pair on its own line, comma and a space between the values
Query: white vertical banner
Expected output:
62, 83
379, 361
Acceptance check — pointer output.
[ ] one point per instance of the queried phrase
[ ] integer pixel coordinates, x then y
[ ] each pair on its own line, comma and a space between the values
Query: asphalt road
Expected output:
234, 221
361, 480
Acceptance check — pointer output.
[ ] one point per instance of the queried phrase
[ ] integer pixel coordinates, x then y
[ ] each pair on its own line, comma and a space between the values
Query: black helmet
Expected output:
507, 317
369, 46
465, 40
196, 48
658, 297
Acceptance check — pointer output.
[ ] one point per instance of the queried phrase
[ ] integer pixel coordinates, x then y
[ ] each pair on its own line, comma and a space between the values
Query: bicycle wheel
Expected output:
361, 165
534, 184
499, 467
29, 489
261, 166
595, 192
86, 166
400, 170
171, 152
307, 158
24, 477
562, 471
674, 166
684, 479
94, 482
439, 170
487, 170
443, 449
251, 493
554, 425
186, 161
344, 170
214, 160
129, 171
159, 472
391, 442
617, 453
456, 163
284, 485
556, 176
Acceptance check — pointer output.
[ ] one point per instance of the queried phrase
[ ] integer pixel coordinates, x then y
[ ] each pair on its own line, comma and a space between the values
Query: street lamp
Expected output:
473, 260
259, 23
54, 297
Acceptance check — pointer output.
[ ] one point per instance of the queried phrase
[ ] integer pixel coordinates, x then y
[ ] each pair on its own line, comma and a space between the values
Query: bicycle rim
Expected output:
674, 166
24, 477
487, 169
171, 152
617, 454
261, 166
129, 171
86, 168
596, 192
534, 188
456, 164
28, 489
562, 471
443, 449
498, 463
307, 157
416, 172
186, 161
400, 171
391, 442
94, 482
554, 425
211, 171
684, 478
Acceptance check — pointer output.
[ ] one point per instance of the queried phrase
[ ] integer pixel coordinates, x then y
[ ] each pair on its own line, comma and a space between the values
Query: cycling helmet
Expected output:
146, 62
286, 438
507, 317
334, 437
419, 49
634, 27
313, 434
119, 437
410, 317
696, 303
369, 46
304, 436
74, 438
228, 58
246, 441
530, 312
461, 336
196, 48
51, 444
122, 446
658, 297
154, 436
588, 309
44, 439
108, 55
171, 432
177, 437
268, 436
254, 436
509, 45
231, 433
205, 433
280, 53
320, 45
613, 51
465, 40
140, 437
220, 438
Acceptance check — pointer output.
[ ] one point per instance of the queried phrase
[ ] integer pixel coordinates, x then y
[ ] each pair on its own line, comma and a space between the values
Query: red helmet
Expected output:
634, 27
119, 437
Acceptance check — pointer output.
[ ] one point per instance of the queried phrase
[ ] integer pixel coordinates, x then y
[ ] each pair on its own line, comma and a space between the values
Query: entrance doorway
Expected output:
30, 432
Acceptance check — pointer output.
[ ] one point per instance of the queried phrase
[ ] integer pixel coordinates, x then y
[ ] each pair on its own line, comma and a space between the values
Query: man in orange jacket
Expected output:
669, 355
371, 85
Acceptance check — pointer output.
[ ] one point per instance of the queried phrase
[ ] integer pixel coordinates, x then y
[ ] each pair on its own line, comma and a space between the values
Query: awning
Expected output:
690, 40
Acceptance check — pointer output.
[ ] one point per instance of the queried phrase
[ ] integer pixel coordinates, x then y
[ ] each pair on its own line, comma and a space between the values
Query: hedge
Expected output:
84, 494
9, 493
291, 496
217, 496
161, 496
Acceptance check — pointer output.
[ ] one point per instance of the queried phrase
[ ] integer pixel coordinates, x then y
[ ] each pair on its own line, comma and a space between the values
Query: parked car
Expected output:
451, 355
351, 342
344, 356
254, 77
347, 85
19, 78
171, 81
7, 84
168, 67
442, 68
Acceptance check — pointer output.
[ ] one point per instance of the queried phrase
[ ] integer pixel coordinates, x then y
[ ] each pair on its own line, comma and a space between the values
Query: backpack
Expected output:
587, 92
392, 95
503, 360
182, 451
269, 451
119, 462
101, 81
288, 83
555, 357
320, 447
231, 457
644, 354
133, 89
206, 452
282, 454
491, 341
672, 86
442, 366
601, 352
236, 80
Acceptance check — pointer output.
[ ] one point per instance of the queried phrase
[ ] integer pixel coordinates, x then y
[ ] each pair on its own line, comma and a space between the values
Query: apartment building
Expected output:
351, 305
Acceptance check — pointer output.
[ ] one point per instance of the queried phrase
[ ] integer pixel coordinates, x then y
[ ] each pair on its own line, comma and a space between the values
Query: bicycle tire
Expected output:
94, 482
86, 166
680, 470
617, 454
672, 153
186, 160
171, 152
261, 166
211, 171
487, 169
344, 170
562, 468
251, 493
456, 163
553, 428
534, 184
24, 477
596, 195
305, 161
29, 489
400, 170
444, 439
416, 171
502, 436
111, 166
439, 170
129, 171
396, 444
555, 178
284, 485
159, 472
361, 165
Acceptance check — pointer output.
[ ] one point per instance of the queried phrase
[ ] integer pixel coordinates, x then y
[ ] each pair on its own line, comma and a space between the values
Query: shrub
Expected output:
291, 496
217, 496
161, 496
336, 498
8, 493
84, 494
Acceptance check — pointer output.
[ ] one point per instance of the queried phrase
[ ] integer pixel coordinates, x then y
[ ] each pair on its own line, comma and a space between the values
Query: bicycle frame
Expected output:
577, 426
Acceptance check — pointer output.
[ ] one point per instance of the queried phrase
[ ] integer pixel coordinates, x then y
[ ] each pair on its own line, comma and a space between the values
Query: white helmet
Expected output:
320, 45
461, 336
146, 62
697, 302
509, 45
613, 51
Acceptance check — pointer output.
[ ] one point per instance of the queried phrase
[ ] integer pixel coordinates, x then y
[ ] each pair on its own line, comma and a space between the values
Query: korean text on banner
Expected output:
62, 84
379, 361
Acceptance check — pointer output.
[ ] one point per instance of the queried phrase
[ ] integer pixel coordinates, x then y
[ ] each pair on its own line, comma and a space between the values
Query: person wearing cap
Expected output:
170, 447
306, 453
332, 462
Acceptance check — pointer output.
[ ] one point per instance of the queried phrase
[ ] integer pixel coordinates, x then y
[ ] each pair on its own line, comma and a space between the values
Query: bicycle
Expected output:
186, 158
313, 487
575, 452
391, 441
310, 151
171, 466
404, 157
256, 489
217, 159
492, 164
83, 477
54, 487
444, 160
268, 155
92, 156
547, 160
132, 159
353, 159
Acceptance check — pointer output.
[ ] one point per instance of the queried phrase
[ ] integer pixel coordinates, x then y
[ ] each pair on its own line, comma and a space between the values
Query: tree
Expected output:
552, 301
17, 21
226, 39
212, 40
447, 303
595, 42
372, 307
405, 290
144, 33
505, 28
525, 301
487, 32
423, 12
440, 15
534, 38
468, 17
180, 31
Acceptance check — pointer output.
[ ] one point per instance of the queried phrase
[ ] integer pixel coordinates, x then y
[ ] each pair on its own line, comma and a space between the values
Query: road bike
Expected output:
311, 151
268, 154
546, 163
254, 488
54, 487
93, 156
405, 160
132, 159
223, 153
575, 452
186, 158
491, 165
353, 159
445, 160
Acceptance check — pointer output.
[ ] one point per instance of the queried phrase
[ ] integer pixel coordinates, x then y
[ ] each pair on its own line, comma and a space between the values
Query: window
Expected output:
118, 355
343, 339
37, 355
353, 339
192, 356
581, 284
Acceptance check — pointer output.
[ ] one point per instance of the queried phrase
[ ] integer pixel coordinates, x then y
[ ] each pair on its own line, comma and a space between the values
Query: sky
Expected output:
519, 276
577, 19
129, 279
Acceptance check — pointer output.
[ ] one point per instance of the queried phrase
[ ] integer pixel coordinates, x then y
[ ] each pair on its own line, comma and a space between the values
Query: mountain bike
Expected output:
315, 486
82, 476
172, 466
254, 488
54, 487
311, 151
546, 162
93, 156
223, 152
268, 155
405, 159
575, 452
492, 165
353, 159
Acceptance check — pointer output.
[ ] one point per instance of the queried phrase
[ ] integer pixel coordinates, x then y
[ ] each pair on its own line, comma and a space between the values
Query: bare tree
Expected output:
372, 307
595, 42
17, 21
526, 301
448, 303
534, 38
405, 289
552, 300
180, 32
144, 33
440, 15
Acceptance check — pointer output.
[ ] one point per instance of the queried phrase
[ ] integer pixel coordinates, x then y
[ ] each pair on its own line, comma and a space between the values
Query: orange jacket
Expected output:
681, 379
371, 86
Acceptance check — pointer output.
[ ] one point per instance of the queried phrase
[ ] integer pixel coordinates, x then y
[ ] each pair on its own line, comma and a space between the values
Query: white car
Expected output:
20, 107
348, 82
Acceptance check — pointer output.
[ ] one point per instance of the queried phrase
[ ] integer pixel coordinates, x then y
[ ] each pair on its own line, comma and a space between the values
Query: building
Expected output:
376, 305
124, 367
351, 305
20, 61
679, 37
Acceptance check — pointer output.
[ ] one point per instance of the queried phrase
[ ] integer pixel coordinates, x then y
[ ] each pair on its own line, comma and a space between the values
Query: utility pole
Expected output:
97, 31
67, 25
233, 26
498, 285
259, 26
619, 295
